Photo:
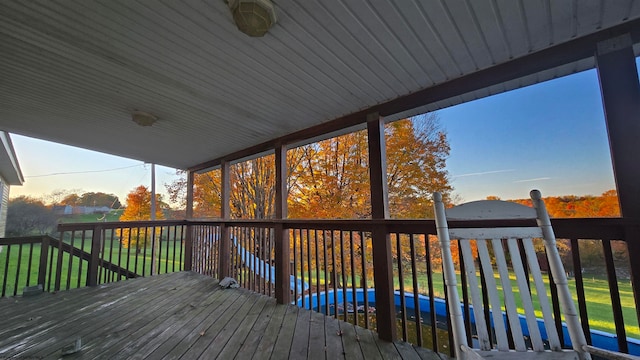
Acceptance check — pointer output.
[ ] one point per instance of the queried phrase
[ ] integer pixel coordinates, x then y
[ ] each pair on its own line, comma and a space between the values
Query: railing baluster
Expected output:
28, 283
343, 267
262, 255
326, 270
556, 307
465, 295
70, 262
16, 283
317, 269
618, 318
154, 253
432, 303
80, 259
42, 268
175, 245
582, 304
96, 239
353, 278
101, 272
334, 274
186, 246
58, 278
403, 305
302, 279
6, 271
416, 299
308, 232
158, 244
129, 247
293, 246
365, 292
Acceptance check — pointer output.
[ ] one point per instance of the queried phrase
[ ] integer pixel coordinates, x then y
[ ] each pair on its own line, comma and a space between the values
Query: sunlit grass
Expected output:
597, 294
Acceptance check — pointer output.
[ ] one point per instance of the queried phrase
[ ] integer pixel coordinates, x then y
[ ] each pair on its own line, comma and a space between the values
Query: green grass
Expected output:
139, 263
596, 290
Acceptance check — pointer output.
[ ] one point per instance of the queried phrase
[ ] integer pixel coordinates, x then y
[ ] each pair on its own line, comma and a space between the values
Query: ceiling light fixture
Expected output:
253, 17
143, 118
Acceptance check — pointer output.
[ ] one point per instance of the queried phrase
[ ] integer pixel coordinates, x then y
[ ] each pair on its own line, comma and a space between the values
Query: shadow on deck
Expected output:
181, 315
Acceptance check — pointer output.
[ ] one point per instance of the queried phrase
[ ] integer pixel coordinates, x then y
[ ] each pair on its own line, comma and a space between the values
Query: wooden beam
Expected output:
620, 89
190, 182
551, 57
44, 257
188, 239
96, 242
283, 285
382, 261
225, 211
377, 167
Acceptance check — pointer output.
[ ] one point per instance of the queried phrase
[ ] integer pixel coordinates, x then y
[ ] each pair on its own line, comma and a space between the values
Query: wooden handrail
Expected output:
74, 251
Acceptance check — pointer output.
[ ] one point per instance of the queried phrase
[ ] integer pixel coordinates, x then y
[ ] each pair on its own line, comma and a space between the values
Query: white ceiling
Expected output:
73, 71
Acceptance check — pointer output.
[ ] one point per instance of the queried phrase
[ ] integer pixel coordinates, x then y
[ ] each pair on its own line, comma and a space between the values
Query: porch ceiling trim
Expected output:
549, 58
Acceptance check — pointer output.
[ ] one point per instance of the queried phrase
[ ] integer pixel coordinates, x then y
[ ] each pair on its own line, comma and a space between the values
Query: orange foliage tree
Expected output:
588, 206
139, 208
330, 179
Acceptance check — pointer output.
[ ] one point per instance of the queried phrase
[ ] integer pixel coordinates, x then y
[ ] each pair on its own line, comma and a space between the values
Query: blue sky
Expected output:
550, 136
48, 167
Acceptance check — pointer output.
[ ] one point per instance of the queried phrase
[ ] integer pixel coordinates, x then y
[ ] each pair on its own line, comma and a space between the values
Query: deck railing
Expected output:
330, 265
91, 254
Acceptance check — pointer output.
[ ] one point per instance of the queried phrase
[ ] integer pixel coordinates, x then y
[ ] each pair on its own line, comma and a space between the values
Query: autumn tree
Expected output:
417, 150
139, 208
330, 179
333, 181
333, 176
252, 188
587, 206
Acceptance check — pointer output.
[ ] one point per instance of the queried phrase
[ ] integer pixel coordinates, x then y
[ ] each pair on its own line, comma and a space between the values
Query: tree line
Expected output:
32, 216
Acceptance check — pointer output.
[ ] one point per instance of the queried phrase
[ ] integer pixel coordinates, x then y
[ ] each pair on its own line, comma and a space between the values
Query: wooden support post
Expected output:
620, 89
44, 254
96, 246
382, 261
225, 210
283, 285
188, 237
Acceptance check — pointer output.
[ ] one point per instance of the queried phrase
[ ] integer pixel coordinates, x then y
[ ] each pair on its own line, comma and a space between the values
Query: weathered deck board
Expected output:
181, 316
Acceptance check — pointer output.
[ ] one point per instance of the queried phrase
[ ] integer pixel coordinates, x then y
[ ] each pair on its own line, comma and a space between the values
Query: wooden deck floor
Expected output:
181, 315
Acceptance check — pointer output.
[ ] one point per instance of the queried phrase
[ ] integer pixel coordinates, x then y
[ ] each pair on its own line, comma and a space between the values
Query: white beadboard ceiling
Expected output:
73, 71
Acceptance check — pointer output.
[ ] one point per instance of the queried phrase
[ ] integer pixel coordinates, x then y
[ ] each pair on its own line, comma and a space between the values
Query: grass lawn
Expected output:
74, 272
596, 292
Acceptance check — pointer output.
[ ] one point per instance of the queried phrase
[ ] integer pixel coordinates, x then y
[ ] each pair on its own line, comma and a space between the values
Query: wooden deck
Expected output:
181, 315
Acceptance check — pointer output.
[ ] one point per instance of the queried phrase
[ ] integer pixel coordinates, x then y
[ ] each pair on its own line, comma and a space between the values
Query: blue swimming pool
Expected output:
320, 301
